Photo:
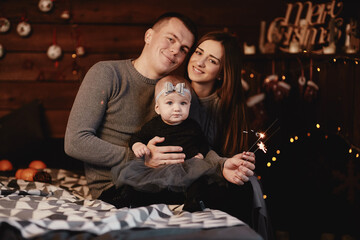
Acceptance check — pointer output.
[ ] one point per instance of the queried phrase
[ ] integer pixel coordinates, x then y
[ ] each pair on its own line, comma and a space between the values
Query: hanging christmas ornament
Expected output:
311, 87
302, 79
302, 82
46, 5
65, 15
75, 34
54, 52
2, 51
282, 91
279, 89
80, 51
311, 91
245, 85
23, 29
4, 25
257, 110
270, 82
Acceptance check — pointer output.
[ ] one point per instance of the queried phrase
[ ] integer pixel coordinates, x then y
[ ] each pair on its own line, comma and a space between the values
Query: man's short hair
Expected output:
189, 24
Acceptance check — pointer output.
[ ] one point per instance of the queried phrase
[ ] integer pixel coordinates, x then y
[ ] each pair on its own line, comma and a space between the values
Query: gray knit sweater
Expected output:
113, 102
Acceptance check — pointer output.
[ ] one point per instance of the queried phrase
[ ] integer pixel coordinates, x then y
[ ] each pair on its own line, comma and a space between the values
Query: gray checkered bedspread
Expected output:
36, 208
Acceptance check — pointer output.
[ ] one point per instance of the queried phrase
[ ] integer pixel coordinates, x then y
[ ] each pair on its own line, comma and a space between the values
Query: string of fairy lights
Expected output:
251, 73
272, 157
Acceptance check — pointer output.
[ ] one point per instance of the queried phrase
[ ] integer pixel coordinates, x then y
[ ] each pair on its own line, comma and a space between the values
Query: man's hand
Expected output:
163, 155
239, 168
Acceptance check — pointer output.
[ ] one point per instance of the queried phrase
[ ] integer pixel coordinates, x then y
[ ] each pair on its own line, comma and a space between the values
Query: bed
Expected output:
62, 209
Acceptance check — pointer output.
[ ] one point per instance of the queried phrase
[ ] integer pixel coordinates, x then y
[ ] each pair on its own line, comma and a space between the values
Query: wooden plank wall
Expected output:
111, 29
108, 29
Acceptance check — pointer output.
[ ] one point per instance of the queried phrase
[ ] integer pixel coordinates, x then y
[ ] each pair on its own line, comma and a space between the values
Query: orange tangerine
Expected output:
5, 165
28, 174
37, 164
18, 173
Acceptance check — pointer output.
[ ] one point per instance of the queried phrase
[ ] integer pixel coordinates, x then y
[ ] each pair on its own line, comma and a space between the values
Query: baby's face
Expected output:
173, 108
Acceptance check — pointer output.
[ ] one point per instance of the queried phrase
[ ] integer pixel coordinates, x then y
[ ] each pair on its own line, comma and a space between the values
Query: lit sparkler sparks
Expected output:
260, 135
261, 146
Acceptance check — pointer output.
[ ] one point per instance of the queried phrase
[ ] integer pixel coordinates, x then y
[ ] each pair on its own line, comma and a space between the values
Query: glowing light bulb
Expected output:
357, 155
308, 134
291, 140
318, 69
73, 55
274, 159
259, 177
350, 150
334, 59
252, 75
296, 138
339, 129
264, 196
317, 125
278, 151
283, 77
268, 164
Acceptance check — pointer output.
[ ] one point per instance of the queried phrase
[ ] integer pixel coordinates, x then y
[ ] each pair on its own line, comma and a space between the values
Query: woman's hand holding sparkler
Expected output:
239, 168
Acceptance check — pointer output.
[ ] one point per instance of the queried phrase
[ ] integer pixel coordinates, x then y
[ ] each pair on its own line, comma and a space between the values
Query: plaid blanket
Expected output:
36, 208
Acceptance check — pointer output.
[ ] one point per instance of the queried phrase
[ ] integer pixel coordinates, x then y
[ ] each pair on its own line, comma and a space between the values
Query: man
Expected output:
116, 98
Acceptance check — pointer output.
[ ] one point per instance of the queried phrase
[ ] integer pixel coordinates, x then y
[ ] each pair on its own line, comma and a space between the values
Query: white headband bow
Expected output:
169, 88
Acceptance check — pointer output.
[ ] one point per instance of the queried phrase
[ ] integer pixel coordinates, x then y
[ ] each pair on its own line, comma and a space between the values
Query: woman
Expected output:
214, 70
215, 73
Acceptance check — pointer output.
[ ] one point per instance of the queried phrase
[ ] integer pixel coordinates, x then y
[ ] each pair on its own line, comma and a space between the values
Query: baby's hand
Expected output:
199, 156
140, 149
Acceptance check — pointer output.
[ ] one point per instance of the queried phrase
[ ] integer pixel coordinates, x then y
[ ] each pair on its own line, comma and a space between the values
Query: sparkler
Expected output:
261, 145
258, 142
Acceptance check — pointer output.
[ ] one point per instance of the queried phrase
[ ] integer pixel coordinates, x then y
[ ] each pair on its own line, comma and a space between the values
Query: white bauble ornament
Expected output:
54, 52
65, 14
45, 5
4, 25
80, 51
1, 51
23, 29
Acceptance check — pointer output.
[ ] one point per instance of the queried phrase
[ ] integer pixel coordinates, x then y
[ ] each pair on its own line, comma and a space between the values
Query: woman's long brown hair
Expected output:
232, 123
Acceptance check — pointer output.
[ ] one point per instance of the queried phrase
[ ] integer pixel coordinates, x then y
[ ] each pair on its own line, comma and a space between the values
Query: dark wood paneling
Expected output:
53, 95
111, 29
95, 38
143, 12
37, 66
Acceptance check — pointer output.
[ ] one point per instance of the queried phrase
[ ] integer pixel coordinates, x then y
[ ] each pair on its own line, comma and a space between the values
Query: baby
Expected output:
172, 103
